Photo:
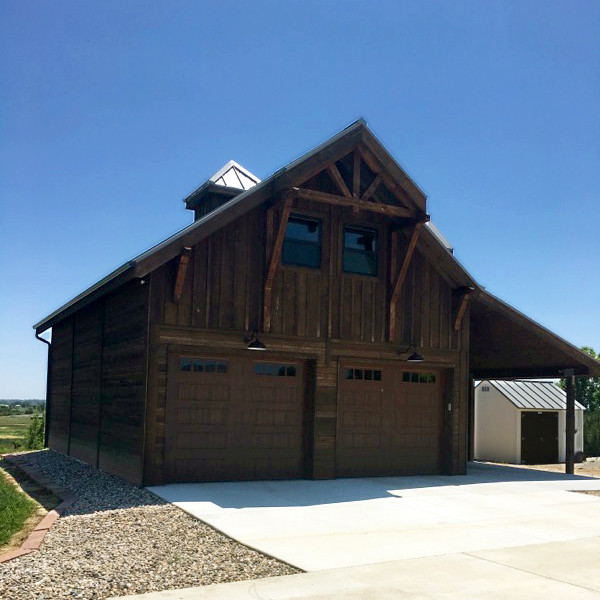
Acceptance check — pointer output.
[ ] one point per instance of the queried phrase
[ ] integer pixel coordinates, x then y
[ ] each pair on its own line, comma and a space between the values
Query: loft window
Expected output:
302, 242
485, 388
360, 251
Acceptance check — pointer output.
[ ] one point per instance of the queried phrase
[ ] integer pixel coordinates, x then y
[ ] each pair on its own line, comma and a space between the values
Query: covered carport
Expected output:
505, 344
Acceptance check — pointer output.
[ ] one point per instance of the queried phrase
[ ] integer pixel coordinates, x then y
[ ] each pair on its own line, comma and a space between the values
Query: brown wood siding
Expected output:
98, 383
60, 386
124, 382
85, 393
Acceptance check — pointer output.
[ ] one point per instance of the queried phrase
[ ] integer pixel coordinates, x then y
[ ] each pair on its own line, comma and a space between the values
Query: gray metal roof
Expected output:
537, 395
234, 175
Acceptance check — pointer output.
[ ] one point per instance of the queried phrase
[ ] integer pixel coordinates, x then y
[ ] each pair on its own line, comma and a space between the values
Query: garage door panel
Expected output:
244, 422
390, 423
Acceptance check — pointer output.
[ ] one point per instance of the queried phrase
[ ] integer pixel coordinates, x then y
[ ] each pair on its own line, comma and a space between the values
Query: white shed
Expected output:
523, 422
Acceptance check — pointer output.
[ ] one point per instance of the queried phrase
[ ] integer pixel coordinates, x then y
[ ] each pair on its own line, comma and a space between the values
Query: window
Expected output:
485, 388
363, 374
203, 365
274, 369
302, 242
360, 251
414, 377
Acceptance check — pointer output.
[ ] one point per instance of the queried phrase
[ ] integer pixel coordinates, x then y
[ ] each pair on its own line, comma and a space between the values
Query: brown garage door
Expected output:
232, 418
390, 420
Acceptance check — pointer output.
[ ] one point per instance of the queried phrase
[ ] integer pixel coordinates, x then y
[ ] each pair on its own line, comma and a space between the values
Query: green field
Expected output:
16, 509
13, 429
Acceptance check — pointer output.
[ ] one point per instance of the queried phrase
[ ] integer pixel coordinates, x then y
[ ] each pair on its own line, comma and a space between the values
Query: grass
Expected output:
15, 509
13, 429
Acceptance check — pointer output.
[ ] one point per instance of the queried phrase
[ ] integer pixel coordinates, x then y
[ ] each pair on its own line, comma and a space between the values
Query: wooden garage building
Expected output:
330, 264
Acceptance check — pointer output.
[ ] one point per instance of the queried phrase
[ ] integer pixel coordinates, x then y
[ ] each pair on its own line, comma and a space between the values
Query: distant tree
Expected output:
587, 392
34, 440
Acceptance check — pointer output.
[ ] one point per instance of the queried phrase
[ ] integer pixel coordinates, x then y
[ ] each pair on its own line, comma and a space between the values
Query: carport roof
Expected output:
537, 395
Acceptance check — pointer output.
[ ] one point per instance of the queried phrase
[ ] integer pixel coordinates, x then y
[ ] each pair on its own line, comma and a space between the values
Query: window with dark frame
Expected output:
302, 242
363, 374
417, 377
274, 369
203, 365
360, 251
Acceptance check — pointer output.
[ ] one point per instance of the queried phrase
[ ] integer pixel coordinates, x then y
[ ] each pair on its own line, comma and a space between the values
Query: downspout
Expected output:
47, 420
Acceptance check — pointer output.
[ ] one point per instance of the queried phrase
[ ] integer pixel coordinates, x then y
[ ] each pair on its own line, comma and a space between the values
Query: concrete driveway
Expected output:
316, 525
498, 532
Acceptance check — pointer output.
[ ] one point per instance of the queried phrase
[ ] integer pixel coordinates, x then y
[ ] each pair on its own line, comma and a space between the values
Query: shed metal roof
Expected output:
537, 395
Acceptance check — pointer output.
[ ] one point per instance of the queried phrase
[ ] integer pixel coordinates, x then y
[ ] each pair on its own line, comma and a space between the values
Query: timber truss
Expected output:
362, 186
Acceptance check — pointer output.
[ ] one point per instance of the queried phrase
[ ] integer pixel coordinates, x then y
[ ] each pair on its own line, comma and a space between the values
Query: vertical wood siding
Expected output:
60, 382
98, 383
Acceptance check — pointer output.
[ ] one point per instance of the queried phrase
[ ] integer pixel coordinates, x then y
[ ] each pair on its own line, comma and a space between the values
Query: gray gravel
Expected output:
117, 539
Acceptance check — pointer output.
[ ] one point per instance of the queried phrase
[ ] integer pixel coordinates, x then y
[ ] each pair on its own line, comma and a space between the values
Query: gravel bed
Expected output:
117, 539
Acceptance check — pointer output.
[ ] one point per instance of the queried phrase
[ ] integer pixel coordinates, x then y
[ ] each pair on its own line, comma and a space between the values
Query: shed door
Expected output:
390, 420
539, 437
232, 418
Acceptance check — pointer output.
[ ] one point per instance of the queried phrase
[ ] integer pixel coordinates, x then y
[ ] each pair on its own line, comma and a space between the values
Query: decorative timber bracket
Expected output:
464, 299
400, 272
275, 257
184, 259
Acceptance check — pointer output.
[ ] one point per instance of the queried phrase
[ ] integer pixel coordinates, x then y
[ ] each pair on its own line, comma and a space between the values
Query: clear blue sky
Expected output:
112, 112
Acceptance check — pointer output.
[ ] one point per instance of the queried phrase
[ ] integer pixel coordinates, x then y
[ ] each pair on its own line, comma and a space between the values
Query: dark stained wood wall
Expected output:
60, 382
221, 302
85, 390
98, 383
225, 275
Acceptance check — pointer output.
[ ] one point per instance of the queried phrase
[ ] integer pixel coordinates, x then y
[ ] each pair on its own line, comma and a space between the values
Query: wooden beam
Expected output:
385, 209
412, 244
570, 422
339, 180
371, 189
462, 307
356, 179
184, 259
394, 187
274, 263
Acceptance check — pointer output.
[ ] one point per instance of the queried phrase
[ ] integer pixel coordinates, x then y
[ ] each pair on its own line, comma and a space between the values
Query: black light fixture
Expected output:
254, 342
415, 357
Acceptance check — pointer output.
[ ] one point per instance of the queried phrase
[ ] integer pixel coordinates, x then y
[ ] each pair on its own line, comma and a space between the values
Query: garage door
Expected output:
390, 421
232, 418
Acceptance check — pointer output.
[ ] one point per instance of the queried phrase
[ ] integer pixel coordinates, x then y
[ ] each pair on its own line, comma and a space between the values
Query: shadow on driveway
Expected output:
303, 492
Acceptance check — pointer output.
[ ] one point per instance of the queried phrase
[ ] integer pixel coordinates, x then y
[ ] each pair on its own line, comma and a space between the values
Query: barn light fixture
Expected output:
415, 357
254, 342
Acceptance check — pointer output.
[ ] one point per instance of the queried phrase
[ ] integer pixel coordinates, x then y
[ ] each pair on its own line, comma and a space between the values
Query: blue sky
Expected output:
112, 112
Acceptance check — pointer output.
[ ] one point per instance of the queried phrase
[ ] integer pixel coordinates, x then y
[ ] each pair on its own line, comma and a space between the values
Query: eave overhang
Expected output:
506, 344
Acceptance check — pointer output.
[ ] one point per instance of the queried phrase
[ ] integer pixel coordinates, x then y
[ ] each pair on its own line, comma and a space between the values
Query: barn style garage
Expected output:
314, 324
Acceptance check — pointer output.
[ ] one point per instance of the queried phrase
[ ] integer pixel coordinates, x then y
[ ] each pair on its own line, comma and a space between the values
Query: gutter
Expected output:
47, 420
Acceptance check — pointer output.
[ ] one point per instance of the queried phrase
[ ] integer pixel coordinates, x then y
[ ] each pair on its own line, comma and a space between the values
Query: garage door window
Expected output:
274, 369
203, 365
363, 374
414, 377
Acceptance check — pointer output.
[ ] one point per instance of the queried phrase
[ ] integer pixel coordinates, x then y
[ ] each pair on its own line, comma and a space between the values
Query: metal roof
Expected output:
537, 395
234, 175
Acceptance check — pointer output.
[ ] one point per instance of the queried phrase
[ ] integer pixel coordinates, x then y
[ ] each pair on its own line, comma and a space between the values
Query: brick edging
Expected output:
36, 537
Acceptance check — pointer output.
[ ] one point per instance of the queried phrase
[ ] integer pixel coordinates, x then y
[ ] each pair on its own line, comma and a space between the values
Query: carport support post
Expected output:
570, 423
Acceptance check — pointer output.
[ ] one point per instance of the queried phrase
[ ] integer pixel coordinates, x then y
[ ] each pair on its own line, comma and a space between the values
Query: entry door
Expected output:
539, 437
234, 418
